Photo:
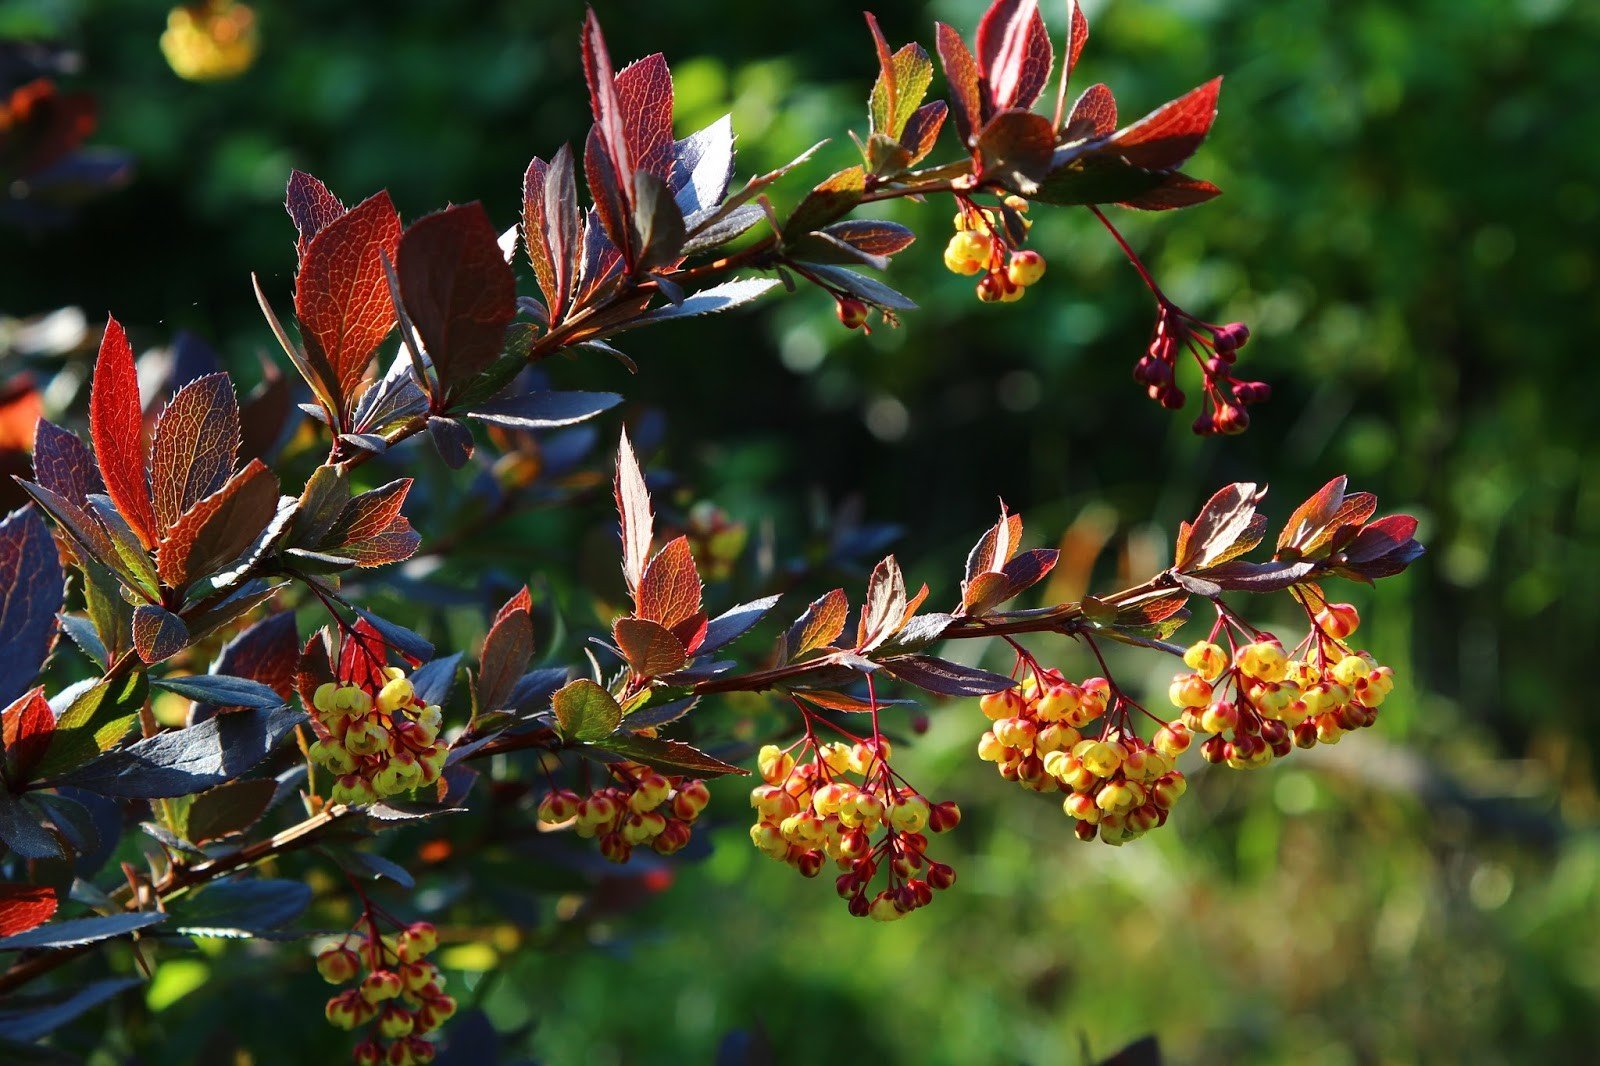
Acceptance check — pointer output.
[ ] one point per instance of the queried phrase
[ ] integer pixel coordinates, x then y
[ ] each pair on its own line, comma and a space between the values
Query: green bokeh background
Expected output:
1411, 227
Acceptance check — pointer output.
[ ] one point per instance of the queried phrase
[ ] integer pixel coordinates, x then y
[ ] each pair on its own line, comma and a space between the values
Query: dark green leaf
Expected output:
669, 755
225, 691
73, 931
241, 908
21, 829
228, 809
30, 1017
543, 409
945, 678
187, 760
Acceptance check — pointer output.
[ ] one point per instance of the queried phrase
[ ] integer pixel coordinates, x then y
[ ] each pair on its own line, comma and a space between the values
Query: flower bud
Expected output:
909, 814
558, 806
394, 1021
775, 765
944, 816
1025, 268
1098, 757
690, 799
852, 312
615, 847
419, 939
338, 965
396, 694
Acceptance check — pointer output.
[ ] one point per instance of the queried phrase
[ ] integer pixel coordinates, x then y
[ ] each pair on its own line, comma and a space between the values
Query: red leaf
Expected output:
1312, 515
611, 204
1016, 147
506, 651
644, 92
671, 756
372, 531
363, 657
922, 129
1028, 569
267, 652
117, 426
961, 71
23, 907
1094, 115
550, 227
944, 678
341, 295
369, 514
25, 730
396, 544
1169, 135
820, 625
218, 528
1077, 36
315, 667
1228, 517
265, 415
997, 545
603, 101
1380, 538
633, 509
692, 631
1037, 59
884, 607
459, 291
610, 178
193, 447
311, 207
873, 236
669, 591
650, 648
984, 593
1179, 190
522, 601
158, 634
1003, 48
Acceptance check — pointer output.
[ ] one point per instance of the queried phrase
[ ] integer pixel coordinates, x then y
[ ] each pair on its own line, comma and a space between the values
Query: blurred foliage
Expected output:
1411, 228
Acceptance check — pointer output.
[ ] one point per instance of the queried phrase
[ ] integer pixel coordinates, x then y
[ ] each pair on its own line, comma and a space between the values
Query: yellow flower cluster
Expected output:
828, 805
1119, 786
641, 807
981, 246
400, 994
376, 746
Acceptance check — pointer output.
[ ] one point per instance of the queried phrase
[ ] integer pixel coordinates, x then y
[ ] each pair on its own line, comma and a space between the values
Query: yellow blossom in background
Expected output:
210, 41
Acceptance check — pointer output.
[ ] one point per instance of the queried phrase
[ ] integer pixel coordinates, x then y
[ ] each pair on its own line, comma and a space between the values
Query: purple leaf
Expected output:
544, 409
31, 587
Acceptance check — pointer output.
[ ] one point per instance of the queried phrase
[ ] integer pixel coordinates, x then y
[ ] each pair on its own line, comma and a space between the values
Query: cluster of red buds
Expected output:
1214, 348
376, 744
1257, 701
830, 801
1119, 786
399, 993
986, 241
641, 807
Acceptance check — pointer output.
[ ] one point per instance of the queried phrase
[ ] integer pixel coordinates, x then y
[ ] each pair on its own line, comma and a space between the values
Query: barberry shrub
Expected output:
215, 558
